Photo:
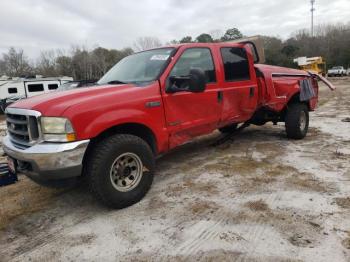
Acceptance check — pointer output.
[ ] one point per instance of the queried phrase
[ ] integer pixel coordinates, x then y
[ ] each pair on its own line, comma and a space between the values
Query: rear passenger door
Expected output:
238, 83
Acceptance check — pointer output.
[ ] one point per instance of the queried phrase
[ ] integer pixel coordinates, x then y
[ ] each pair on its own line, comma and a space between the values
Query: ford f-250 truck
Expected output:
147, 104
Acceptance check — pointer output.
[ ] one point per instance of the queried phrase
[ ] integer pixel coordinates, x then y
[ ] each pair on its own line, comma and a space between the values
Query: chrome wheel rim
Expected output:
126, 172
302, 120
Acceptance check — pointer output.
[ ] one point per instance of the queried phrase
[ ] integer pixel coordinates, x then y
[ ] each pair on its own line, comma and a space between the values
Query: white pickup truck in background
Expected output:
336, 71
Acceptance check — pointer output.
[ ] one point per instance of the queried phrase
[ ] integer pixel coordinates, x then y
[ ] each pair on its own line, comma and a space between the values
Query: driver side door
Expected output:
192, 114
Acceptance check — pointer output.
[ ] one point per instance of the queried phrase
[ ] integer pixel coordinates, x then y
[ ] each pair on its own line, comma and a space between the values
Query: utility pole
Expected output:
312, 17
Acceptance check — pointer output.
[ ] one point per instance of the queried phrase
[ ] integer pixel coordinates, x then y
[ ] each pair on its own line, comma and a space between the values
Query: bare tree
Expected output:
15, 63
64, 65
147, 42
46, 64
2, 67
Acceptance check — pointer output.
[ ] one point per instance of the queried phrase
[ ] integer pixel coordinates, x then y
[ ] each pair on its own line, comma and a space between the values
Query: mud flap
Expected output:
306, 90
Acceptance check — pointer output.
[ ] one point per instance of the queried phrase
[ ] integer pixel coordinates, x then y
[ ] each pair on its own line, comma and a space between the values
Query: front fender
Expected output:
88, 125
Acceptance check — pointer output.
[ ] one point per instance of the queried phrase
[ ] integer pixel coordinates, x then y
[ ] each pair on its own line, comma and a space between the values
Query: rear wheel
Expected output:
120, 170
228, 129
297, 121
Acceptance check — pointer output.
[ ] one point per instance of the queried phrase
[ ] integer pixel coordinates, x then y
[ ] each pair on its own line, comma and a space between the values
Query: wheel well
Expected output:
296, 99
135, 129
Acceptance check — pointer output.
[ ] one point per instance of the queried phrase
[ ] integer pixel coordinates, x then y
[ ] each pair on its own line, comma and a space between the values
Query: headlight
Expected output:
57, 129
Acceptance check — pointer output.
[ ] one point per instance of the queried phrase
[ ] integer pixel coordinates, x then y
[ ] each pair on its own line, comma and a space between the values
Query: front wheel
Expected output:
297, 121
119, 170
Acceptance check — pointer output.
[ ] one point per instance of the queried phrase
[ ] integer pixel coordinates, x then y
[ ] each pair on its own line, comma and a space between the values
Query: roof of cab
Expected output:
202, 44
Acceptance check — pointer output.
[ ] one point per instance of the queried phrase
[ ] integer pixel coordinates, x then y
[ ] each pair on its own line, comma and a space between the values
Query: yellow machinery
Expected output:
317, 64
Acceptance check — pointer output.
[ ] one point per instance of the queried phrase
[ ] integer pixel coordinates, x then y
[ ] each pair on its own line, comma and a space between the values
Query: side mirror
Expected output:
195, 82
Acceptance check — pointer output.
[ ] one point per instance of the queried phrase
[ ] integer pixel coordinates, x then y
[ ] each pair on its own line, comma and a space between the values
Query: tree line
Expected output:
79, 62
329, 41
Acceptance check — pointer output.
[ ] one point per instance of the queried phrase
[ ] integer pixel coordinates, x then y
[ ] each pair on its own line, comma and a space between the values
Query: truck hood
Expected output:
55, 103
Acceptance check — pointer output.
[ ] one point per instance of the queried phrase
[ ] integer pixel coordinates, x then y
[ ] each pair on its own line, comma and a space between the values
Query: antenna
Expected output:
312, 17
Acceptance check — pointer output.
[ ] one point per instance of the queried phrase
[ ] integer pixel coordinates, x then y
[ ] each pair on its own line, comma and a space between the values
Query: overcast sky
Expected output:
35, 25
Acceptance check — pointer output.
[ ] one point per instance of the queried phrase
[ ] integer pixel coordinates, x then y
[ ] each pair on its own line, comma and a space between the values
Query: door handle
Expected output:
220, 96
251, 91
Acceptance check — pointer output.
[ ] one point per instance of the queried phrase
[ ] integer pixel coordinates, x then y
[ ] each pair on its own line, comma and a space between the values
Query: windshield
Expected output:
337, 67
67, 86
140, 67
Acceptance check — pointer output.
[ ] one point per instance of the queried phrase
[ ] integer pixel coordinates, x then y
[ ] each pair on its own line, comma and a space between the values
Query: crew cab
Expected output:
336, 71
147, 104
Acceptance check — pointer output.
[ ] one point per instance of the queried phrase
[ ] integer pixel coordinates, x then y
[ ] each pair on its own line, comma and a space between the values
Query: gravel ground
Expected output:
260, 197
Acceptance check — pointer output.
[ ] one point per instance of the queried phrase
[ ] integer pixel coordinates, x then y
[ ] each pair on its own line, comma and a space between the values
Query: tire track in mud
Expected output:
211, 232
256, 230
206, 234
20, 248
42, 240
192, 246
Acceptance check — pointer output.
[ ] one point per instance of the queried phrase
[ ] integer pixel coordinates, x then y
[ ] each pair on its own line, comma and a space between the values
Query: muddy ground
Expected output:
260, 197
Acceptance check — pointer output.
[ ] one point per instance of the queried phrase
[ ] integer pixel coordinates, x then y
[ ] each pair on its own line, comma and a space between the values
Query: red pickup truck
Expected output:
147, 104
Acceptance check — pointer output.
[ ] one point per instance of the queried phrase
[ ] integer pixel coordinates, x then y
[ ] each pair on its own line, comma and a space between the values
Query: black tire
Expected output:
297, 121
101, 161
228, 129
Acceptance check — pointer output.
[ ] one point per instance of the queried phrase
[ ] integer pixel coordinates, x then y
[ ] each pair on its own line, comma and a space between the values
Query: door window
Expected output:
236, 64
195, 58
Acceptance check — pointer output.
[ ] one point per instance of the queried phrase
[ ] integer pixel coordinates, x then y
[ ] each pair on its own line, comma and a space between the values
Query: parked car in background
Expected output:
348, 72
336, 71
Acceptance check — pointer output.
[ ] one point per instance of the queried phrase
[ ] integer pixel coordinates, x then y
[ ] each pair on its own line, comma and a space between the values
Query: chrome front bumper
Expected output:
48, 160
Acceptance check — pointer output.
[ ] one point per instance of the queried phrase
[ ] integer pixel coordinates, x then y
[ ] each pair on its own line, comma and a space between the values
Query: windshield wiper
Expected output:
115, 82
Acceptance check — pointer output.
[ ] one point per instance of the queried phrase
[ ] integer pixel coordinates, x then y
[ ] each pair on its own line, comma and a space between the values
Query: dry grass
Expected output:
202, 206
305, 181
343, 202
236, 166
259, 205
189, 186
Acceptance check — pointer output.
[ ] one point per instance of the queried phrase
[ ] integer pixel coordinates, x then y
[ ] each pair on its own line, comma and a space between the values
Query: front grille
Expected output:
23, 129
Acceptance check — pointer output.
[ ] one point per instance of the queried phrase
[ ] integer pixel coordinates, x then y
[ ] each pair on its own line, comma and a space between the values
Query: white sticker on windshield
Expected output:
160, 57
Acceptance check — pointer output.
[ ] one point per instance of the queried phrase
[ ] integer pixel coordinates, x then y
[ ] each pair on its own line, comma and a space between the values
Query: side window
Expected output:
195, 58
52, 86
36, 88
12, 90
236, 64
